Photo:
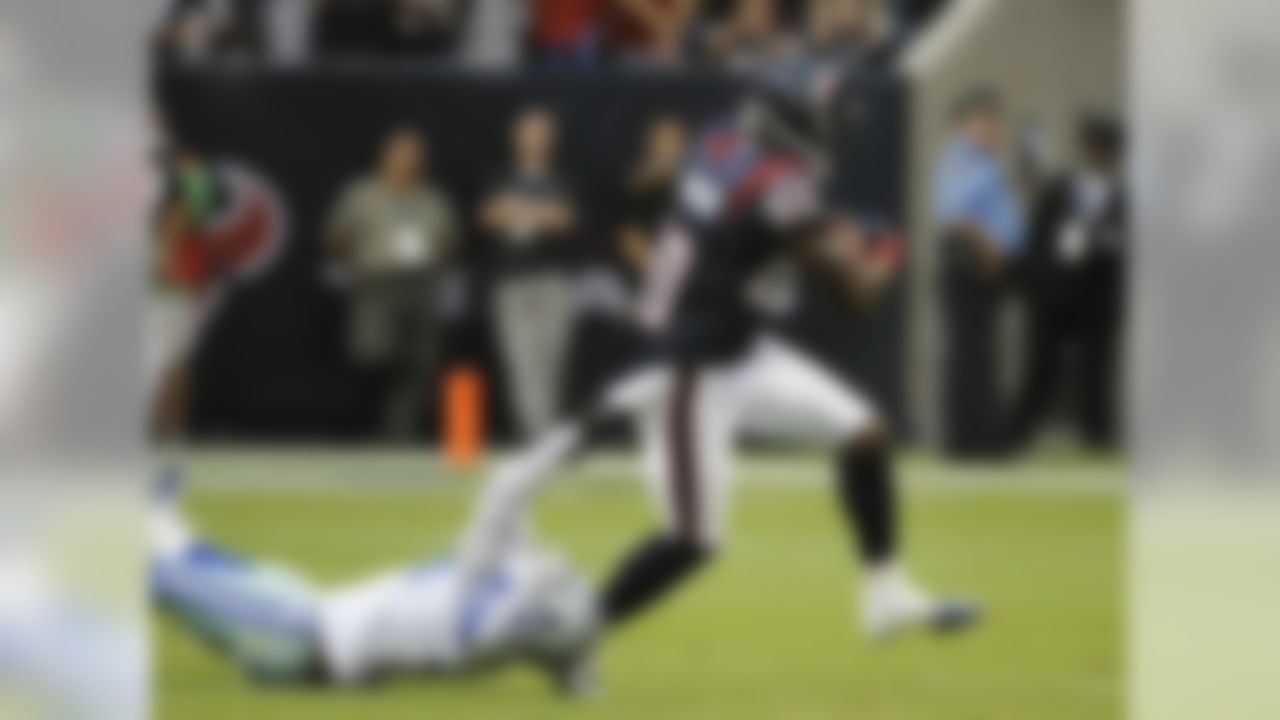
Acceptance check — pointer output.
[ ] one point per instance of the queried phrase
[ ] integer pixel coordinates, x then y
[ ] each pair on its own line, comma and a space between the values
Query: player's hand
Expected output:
888, 252
846, 242
857, 245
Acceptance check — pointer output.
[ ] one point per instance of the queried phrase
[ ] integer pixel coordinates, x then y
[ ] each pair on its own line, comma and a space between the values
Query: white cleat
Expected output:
893, 604
170, 534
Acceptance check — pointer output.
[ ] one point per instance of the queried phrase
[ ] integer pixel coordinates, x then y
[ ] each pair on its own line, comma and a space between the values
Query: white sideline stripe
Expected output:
382, 471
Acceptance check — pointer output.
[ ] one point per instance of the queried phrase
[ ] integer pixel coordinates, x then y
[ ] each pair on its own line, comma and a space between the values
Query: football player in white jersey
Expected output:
280, 628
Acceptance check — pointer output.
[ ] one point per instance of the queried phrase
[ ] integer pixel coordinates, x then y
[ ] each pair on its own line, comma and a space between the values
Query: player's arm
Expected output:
836, 249
667, 269
840, 252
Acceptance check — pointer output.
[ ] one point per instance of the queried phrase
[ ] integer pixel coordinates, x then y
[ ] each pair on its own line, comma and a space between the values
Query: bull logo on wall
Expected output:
227, 222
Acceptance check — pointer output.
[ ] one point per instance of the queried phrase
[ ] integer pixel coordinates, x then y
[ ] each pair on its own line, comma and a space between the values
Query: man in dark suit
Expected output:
1073, 274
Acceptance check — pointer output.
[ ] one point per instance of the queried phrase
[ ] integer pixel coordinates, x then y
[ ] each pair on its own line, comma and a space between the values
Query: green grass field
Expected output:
768, 632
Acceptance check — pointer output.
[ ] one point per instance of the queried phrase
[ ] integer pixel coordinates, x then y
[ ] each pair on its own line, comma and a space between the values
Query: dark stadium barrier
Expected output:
272, 365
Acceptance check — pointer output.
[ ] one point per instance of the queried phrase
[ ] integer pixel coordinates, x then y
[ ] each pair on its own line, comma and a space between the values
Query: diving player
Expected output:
750, 203
280, 629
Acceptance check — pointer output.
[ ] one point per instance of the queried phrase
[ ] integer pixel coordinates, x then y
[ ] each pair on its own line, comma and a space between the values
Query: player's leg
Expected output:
688, 441
261, 617
786, 386
791, 394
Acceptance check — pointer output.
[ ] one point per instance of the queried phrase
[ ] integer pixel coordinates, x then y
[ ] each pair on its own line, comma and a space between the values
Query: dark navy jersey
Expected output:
738, 211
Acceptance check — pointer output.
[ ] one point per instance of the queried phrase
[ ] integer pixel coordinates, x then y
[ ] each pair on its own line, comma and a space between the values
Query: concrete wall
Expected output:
1051, 60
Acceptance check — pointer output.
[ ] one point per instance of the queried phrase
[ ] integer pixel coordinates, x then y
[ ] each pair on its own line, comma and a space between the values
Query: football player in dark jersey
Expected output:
749, 204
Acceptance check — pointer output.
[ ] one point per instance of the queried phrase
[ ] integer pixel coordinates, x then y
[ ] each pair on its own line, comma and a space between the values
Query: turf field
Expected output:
767, 633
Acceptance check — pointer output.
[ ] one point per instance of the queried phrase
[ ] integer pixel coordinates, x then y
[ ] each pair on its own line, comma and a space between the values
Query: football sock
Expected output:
653, 570
169, 534
869, 500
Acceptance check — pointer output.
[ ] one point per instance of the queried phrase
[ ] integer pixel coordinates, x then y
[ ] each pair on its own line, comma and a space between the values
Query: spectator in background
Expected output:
350, 28
856, 32
650, 190
649, 32
567, 32
981, 221
395, 233
271, 31
204, 29
421, 29
288, 31
531, 217
495, 33
789, 12
1074, 274
425, 28
749, 36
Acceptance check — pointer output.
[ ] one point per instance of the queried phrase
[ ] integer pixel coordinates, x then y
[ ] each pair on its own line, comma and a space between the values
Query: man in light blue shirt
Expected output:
981, 221
975, 201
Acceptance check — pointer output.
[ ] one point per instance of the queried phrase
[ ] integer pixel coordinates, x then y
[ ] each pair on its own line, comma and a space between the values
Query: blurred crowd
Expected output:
503, 33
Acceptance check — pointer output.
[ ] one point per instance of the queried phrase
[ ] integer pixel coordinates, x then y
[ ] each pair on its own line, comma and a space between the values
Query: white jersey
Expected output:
415, 620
